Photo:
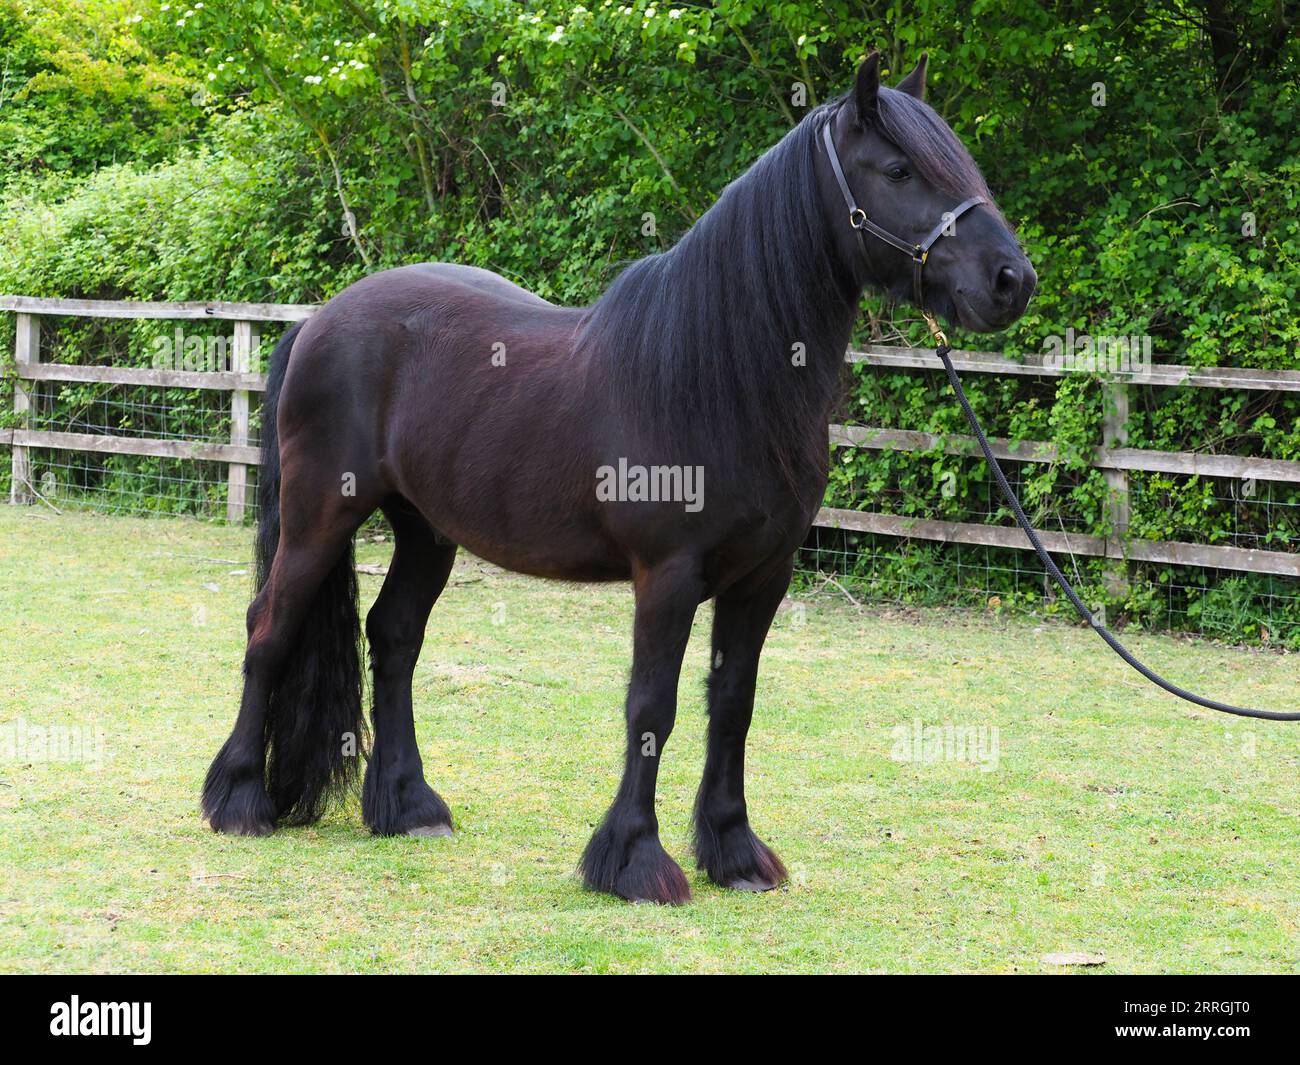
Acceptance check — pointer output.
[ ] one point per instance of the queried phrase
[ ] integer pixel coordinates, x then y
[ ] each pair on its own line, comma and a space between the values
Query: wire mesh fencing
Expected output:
115, 482
1220, 603
1252, 515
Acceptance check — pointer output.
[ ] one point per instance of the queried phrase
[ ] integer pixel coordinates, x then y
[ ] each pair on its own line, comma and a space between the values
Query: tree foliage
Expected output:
1149, 155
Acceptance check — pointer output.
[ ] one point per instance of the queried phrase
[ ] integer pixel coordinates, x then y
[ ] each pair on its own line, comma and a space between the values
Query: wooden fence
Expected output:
1112, 456
240, 382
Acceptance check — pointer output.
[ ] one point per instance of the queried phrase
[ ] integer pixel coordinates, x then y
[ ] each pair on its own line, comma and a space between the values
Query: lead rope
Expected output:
943, 351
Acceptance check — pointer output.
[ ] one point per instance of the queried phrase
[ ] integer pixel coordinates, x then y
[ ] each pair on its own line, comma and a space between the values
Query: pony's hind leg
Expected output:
395, 799
625, 856
235, 794
725, 846
235, 800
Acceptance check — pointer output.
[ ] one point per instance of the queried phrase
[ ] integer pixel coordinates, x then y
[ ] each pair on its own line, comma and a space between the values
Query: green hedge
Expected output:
270, 150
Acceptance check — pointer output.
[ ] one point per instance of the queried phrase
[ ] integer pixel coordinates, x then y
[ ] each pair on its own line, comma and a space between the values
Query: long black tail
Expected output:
315, 729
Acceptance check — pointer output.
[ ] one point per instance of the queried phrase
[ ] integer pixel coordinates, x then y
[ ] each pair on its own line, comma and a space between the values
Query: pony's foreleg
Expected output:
725, 846
624, 856
395, 799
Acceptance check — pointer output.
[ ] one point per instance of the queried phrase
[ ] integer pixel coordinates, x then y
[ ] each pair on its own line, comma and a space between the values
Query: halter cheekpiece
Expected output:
862, 224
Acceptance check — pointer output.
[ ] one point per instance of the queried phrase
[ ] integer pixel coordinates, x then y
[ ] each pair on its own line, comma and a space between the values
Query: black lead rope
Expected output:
1052, 568
920, 252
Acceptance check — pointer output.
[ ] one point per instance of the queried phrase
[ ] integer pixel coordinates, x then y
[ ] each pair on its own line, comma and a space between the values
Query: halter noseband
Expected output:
862, 224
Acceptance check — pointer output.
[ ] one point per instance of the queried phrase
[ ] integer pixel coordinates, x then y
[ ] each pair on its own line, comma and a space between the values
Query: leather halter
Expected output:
862, 224
920, 252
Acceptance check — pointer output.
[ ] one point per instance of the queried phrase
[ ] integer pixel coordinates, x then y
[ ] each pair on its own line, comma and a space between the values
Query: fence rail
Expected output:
239, 312
240, 382
1163, 375
1112, 456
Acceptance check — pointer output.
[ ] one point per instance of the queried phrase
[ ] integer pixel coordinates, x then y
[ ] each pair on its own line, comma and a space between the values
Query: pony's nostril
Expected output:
1007, 283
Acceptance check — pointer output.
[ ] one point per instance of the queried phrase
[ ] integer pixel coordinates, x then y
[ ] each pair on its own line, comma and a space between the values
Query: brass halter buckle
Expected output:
940, 337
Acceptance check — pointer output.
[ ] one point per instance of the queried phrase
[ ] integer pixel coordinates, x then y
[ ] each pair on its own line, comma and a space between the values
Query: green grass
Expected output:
1117, 821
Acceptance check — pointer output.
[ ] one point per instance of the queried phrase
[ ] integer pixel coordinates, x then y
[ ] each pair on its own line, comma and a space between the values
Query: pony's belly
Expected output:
569, 551
584, 568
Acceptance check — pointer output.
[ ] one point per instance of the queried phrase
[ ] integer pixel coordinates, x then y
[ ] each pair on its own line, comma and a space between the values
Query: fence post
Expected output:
246, 338
27, 349
1115, 432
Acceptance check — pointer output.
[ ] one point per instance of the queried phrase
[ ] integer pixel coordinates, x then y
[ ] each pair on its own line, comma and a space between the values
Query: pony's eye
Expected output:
897, 173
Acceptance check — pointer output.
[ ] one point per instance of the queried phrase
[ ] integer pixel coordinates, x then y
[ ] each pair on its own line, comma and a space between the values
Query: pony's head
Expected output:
907, 171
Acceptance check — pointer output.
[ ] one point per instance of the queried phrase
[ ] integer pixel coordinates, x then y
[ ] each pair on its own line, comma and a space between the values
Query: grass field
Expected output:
1112, 821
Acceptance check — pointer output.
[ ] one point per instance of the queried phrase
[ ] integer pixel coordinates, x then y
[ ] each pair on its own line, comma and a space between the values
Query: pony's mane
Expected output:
700, 338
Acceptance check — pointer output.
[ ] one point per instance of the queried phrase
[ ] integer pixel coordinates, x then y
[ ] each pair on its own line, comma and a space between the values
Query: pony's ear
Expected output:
914, 83
866, 87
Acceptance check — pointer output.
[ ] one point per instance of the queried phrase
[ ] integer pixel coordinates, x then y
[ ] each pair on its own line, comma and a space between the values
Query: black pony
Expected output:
673, 434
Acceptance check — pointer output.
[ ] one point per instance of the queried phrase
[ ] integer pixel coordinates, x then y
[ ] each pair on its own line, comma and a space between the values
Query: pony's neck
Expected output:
781, 274
742, 326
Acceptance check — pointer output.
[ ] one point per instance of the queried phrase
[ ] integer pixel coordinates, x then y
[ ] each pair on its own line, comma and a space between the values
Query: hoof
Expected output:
751, 884
660, 882
235, 801
403, 806
738, 859
634, 867
429, 830
248, 828
246, 810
